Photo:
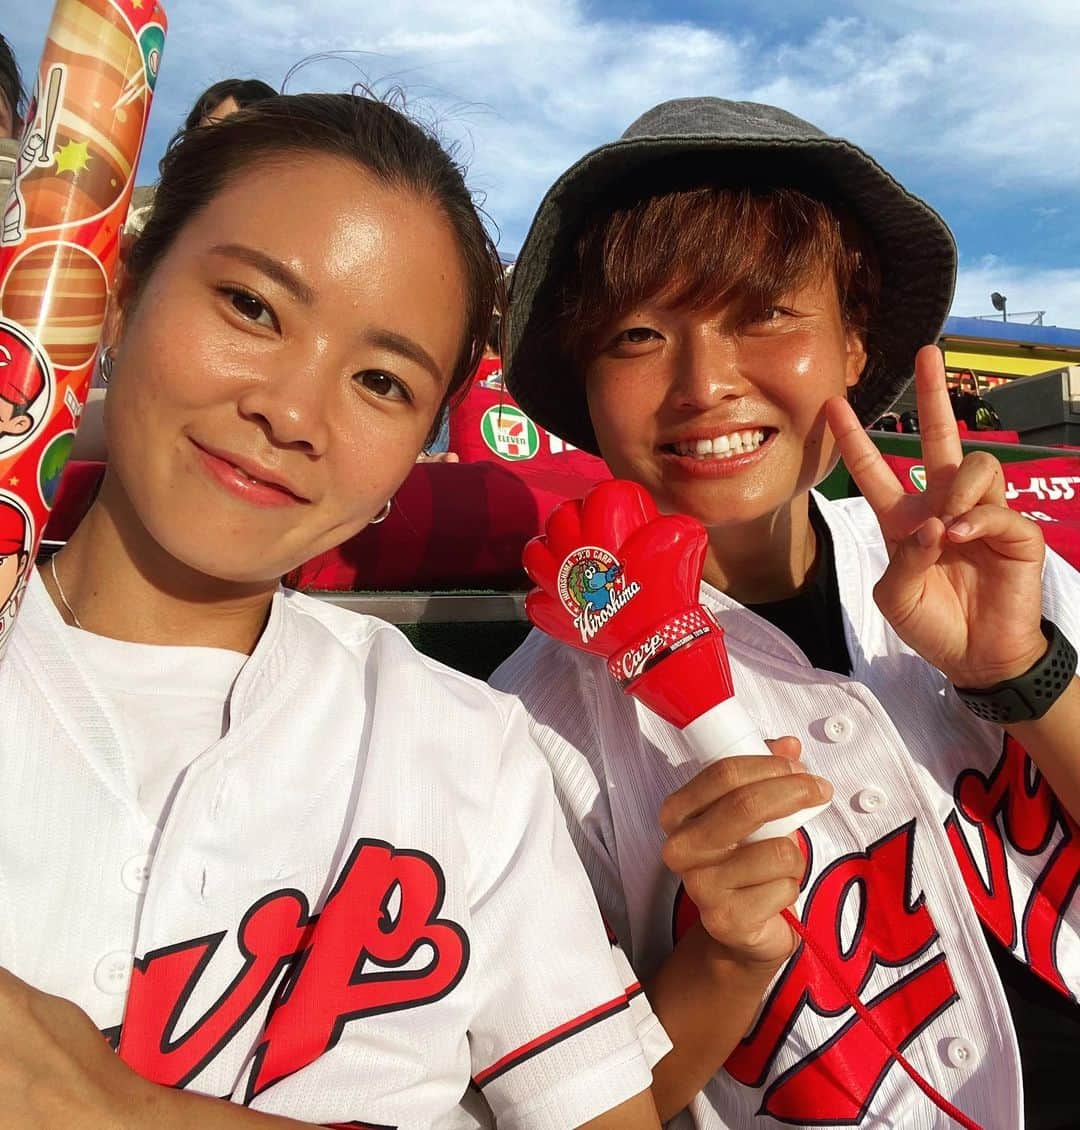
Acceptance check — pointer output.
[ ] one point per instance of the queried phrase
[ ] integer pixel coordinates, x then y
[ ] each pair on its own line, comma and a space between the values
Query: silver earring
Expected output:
106, 361
383, 514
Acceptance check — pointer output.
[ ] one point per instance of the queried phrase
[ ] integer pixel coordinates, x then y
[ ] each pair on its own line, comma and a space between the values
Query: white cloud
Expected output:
1055, 290
971, 81
962, 99
528, 86
968, 91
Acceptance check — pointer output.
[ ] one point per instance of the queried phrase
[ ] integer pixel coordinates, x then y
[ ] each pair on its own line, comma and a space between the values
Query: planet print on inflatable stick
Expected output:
63, 287
60, 227
617, 578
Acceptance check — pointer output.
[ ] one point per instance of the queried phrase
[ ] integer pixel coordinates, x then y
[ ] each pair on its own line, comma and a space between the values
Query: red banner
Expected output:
488, 427
1046, 490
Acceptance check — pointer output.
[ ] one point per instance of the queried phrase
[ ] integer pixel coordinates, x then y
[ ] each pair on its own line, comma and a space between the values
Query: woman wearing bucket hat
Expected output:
718, 303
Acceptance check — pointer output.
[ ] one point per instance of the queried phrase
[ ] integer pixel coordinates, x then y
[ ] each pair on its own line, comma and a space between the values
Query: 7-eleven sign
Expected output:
509, 432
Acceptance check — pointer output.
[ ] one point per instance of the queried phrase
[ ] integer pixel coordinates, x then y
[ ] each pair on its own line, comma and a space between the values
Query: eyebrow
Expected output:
271, 267
276, 270
404, 347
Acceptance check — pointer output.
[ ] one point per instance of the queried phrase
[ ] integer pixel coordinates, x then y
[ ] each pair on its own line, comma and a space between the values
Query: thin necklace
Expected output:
63, 597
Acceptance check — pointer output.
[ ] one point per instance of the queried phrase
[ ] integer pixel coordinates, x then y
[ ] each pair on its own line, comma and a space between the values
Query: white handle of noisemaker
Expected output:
726, 730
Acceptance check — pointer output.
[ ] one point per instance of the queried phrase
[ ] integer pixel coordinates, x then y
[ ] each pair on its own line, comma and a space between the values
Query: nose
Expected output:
708, 369
291, 402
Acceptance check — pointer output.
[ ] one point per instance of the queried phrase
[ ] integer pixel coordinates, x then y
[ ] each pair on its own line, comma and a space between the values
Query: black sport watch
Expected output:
1030, 695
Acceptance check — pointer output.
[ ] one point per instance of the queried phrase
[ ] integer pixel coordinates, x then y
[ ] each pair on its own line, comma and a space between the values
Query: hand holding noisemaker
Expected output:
617, 578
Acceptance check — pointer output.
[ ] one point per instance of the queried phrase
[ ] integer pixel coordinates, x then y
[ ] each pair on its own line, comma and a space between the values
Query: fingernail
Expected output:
960, 529
948, 519
925, 535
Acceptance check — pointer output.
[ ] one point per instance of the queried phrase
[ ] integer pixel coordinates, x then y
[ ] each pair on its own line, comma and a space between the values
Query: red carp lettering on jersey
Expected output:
1015, 807
354, 959
380, 917
834, 1084
271, 934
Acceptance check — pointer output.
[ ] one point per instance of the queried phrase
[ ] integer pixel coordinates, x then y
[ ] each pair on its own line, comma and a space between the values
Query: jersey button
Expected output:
871, 799
961, 1053
135, 874
113, 972
838, 728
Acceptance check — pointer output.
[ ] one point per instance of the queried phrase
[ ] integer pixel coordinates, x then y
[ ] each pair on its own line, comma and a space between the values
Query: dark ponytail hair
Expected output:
199, 163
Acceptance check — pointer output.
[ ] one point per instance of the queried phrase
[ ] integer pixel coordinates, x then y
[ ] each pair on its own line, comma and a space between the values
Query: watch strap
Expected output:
1030, 695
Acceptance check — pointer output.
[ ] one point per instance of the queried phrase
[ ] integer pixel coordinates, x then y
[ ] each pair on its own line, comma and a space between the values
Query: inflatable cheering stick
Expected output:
70, 180
619, 579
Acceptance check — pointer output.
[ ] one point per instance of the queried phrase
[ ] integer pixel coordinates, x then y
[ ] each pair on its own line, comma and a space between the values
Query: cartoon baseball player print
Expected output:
25, 387
15, 537
36, 149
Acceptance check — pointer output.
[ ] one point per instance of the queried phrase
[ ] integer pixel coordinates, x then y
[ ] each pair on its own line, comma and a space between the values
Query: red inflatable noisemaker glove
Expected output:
619, 579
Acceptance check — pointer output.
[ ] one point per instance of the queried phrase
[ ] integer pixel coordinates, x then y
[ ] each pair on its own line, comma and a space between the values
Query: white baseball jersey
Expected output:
937, 822
363, 906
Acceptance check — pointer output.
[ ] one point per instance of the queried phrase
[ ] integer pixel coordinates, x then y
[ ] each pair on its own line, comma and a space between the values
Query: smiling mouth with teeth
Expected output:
720, 447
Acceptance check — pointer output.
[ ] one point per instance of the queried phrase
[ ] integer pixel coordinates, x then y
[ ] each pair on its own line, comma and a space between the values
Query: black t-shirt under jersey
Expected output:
813, 617
1047, 1025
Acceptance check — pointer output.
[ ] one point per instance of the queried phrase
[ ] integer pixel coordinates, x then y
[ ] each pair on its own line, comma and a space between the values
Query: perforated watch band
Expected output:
1030, 695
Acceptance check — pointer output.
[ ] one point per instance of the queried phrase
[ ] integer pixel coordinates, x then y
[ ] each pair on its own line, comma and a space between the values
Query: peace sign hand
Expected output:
963, 587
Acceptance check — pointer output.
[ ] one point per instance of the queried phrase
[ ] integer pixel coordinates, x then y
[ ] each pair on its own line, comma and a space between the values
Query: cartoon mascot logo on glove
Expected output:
593, 587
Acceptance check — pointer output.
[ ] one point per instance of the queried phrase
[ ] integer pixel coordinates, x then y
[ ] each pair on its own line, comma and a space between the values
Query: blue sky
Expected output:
970, 103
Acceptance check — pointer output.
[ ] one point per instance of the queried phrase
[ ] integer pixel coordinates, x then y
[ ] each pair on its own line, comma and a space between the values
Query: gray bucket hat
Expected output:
743, 142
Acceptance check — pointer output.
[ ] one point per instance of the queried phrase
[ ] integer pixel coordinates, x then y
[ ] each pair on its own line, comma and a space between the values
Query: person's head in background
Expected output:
214, 105
12, 92
217, 102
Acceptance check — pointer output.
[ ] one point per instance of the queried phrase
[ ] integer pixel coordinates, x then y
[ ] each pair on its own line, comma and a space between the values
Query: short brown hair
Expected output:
706, 246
